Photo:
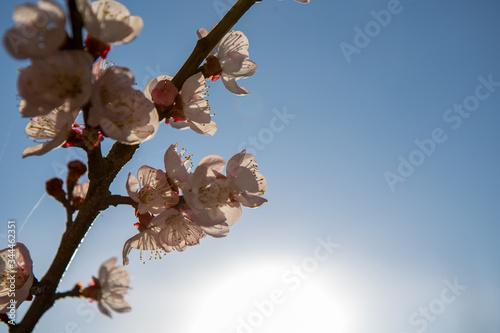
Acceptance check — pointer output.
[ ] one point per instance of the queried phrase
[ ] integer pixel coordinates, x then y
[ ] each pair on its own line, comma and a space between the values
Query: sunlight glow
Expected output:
263, 297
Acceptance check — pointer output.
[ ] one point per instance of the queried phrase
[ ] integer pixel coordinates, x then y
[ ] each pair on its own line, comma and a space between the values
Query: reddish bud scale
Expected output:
73, 138
96, 47
212, 68
77, 203
91, 137
144, 220
93, 291
176, 112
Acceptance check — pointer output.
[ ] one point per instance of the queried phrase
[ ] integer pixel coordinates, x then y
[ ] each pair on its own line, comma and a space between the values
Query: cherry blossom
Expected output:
17, 269
109, 21
232, 53
63, 78
152, 191
216, 199
123, 113
53, 127
208, 191
190, 110
249, 184
177, 230
146, 240
40, 30
110, 288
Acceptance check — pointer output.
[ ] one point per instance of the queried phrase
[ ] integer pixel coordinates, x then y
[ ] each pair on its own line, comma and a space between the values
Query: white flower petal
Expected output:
232, 86
204, 129
45, 147
144, 241
109, 21
217, 231
180, 125
104, 310
174, 167
53, 127
233, 41
239, 69
193, 87
117, 304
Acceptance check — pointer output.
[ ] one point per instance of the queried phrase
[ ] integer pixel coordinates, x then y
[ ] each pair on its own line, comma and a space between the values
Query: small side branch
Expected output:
75, 292
115, 200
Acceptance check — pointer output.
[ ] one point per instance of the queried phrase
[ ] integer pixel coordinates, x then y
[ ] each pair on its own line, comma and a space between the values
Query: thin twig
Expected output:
75, 292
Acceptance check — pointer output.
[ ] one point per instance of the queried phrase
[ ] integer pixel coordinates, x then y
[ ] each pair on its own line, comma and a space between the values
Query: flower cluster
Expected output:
67, 80
61, 82
176, 208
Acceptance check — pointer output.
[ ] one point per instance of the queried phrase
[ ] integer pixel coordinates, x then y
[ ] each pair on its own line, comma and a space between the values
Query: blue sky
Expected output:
420, 255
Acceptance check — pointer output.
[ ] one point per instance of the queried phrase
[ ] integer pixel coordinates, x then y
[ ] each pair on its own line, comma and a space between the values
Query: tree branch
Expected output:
102, 171
76, 25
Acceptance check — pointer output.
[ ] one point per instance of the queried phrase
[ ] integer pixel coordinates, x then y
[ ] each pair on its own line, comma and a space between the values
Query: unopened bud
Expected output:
164, 93
54, 188
76, 169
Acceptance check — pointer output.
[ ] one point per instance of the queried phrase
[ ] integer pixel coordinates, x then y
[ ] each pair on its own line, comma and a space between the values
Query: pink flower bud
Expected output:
164, 93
